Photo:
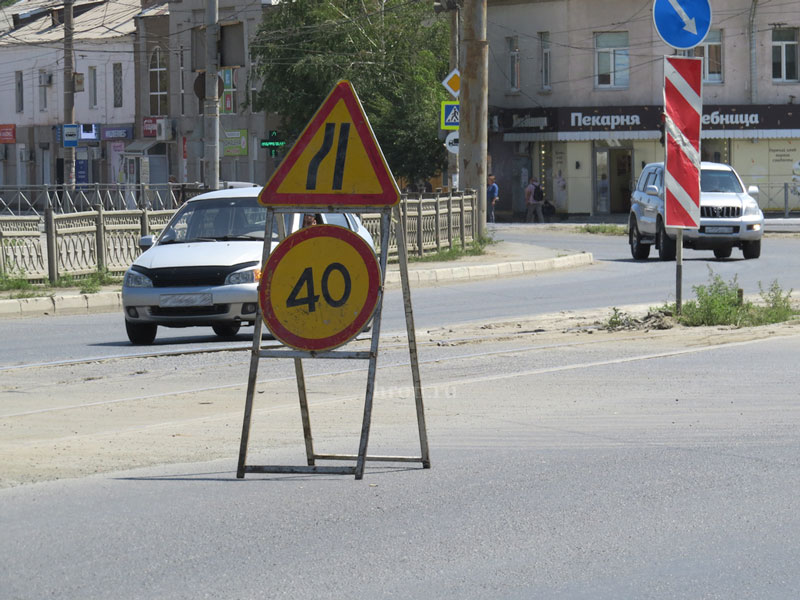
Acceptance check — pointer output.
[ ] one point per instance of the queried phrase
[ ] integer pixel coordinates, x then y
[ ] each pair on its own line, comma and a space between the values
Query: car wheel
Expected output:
666, 245
752, 249
141, 334
226, 330
639, 251
723, 252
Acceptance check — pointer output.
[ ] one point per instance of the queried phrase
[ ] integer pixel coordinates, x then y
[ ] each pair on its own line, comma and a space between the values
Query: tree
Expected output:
395, 53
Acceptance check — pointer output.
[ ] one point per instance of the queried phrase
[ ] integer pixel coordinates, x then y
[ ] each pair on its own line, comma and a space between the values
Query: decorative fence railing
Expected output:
80, 243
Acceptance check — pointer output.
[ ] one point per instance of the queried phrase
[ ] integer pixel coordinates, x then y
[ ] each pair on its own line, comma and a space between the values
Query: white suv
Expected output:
729, 216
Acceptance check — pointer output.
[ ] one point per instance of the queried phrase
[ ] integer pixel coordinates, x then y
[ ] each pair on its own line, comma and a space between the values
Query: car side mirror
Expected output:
652, 190
753, 190
145, 242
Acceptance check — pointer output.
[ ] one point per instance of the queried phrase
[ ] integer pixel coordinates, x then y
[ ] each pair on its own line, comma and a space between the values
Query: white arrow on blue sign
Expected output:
682, 24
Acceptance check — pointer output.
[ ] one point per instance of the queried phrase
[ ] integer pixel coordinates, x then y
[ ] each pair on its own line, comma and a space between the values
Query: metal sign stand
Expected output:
372, 356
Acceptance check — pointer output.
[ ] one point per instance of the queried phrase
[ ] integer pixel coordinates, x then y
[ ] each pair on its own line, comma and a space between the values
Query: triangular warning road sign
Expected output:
336, 161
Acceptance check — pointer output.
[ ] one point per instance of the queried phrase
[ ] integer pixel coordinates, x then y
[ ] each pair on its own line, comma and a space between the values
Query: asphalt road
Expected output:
606, 467
614, 280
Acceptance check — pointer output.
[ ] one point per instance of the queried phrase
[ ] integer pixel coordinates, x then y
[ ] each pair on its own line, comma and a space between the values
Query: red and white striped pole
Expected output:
683, 110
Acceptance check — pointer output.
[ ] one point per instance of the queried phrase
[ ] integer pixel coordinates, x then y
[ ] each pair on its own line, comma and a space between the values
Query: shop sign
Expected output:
149, 127
234, 142
117, 132
8, 134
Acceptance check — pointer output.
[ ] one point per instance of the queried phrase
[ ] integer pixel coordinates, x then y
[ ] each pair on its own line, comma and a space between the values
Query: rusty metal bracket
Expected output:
372, 356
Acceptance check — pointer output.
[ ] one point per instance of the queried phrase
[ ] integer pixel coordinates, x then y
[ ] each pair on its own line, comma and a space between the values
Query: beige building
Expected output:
576, 96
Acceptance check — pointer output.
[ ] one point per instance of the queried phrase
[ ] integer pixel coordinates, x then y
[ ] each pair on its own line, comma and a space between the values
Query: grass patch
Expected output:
603, 229
475, 248
20, 287
721, 303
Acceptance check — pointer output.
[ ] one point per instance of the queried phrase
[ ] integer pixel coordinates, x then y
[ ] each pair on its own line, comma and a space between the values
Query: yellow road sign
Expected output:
320, 287
335, 161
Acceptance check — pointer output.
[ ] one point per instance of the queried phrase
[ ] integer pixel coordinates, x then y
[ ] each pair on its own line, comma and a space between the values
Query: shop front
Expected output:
589, 158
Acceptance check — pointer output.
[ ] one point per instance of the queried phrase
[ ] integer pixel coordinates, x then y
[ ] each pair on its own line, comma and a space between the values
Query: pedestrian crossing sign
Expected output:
450, 114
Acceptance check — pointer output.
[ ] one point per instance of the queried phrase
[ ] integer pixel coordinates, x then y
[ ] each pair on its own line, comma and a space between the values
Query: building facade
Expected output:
32, 67
576, 97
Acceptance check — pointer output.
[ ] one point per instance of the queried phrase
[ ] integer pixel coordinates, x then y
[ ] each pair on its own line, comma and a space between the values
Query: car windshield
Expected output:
222, 219
719, 181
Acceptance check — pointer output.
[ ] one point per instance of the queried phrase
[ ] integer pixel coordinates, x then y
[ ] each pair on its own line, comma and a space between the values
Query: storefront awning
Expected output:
140, 146
579, 136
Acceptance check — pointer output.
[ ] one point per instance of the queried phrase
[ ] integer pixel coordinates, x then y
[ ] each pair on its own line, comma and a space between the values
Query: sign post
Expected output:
682, 24
322, 284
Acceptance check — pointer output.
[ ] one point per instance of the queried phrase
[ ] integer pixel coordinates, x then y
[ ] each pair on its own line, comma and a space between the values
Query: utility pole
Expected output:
474, 115
211, 111
69, 93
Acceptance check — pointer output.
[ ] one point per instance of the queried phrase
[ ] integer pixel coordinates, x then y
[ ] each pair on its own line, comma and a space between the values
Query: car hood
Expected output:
199, 254
723, 199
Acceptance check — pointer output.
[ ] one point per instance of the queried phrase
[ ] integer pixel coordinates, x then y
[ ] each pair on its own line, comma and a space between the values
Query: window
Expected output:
42, 90
784, 54
711, 53
117, 73
612, 63
19, 88
513, 63
158, 84
92, 87
544, 41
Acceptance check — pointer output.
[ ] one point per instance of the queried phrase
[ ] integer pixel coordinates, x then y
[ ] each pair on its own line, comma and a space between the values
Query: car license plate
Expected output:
719, 229
169, 300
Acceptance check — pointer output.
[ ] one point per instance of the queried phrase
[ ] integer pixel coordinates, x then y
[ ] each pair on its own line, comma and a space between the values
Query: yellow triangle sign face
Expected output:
336, 161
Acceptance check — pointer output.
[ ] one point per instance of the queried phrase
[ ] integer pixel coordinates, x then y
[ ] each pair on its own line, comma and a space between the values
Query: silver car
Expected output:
205, 267
729, 216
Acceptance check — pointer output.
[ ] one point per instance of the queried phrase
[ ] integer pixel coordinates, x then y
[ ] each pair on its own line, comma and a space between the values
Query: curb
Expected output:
83, 304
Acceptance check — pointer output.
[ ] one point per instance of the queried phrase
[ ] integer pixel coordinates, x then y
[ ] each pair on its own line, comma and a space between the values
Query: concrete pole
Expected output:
474, 115
69, 93
211, 110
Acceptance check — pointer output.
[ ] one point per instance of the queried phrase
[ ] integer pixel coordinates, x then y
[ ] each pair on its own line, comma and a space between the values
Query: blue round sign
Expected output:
682, 24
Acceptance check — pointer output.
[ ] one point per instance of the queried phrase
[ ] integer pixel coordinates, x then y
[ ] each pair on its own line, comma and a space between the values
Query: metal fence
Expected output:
779, 198
34, 200
80, 243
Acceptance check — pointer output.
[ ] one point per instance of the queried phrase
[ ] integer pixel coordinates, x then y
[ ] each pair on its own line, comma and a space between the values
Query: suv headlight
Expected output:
136, 280
751, 209
249, 276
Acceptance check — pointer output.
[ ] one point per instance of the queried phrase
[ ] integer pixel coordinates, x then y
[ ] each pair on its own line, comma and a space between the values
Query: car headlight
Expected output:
249, 276
136, 280
751, 209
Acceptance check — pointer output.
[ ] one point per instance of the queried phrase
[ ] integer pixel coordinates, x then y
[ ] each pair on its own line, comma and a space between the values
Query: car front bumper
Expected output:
716, 233
191, 306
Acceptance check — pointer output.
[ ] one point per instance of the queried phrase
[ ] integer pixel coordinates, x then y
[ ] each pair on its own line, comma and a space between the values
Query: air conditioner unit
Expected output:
45, 79
163, 129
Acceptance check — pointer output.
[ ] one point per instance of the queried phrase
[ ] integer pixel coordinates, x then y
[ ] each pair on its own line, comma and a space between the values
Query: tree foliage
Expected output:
395, 53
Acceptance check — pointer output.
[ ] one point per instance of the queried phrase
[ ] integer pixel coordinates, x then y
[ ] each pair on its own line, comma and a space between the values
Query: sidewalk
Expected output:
503, 259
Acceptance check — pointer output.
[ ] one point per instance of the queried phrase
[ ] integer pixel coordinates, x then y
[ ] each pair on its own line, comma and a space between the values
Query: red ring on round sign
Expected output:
267, 296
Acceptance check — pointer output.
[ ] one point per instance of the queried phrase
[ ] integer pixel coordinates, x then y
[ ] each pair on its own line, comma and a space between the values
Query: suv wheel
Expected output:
639, 251
666, 245
226, 330
141, 334
752, 249
724, 252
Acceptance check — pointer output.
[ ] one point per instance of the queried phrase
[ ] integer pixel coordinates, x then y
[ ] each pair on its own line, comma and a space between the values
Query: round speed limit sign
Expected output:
319, 288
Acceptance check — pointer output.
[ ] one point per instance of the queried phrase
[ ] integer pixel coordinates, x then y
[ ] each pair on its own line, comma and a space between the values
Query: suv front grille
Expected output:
720, 212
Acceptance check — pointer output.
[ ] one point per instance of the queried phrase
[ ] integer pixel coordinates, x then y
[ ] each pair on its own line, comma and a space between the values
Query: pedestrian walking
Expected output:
534, 199
492, 196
